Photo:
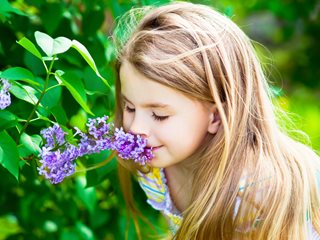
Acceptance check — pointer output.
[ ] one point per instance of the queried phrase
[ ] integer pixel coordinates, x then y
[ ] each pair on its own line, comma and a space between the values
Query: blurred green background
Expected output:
90, 205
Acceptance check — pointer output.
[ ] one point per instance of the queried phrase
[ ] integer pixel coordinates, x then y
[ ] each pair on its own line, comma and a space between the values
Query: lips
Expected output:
154, 148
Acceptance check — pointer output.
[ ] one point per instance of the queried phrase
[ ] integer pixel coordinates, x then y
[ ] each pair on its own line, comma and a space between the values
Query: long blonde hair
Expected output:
203, 54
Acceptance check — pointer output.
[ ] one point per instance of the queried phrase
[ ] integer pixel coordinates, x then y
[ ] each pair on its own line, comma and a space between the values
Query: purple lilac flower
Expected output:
98, 137
57, 156
98, 127
131, 146
57, 165
5, 99
54, 136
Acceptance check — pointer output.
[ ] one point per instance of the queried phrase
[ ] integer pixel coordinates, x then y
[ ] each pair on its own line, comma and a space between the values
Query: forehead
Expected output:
141, 90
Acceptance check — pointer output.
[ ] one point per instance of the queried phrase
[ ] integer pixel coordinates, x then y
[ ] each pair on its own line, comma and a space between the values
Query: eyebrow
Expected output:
148, 105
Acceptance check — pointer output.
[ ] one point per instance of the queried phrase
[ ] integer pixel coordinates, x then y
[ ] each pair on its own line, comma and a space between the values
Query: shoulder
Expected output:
154, 185
153, 179
252, 198
247, 210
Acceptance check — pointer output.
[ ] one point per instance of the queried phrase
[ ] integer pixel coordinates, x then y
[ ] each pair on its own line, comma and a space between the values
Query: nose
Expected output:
139, 126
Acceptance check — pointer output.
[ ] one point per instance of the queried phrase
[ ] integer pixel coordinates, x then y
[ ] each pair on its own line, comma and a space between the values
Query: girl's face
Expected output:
174, 124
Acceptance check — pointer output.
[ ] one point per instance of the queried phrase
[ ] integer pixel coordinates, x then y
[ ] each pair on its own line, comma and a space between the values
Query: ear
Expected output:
214, 120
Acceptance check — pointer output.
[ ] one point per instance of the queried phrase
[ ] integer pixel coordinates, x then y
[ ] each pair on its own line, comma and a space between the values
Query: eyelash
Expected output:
159, 118
156, 117
128, 109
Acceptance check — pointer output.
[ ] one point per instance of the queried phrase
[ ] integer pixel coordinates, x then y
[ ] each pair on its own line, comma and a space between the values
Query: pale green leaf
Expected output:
25, 93
52, 46
32, 143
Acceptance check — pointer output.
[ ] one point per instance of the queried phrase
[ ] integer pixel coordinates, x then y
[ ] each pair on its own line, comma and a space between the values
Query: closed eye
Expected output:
159, 118
129, 109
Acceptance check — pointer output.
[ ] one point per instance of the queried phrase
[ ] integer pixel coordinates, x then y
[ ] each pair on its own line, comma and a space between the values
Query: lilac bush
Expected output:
57, 156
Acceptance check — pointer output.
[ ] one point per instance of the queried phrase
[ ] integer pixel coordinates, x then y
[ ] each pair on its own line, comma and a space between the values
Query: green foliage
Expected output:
45, 51
9, 155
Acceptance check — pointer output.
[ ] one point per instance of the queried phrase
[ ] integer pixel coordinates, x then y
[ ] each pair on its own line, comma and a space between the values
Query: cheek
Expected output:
173, 135
126, 121
189, 135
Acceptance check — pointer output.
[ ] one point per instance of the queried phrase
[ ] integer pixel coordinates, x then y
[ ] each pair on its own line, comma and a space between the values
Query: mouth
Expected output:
154, 148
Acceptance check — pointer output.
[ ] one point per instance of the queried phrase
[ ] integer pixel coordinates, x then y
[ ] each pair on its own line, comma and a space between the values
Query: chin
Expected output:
156, 163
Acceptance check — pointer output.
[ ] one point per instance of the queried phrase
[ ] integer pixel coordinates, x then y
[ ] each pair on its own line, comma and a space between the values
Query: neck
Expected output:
179, 181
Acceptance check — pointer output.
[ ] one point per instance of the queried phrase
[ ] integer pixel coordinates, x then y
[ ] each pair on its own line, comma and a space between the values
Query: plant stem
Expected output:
98, 165
52, 87
39, 99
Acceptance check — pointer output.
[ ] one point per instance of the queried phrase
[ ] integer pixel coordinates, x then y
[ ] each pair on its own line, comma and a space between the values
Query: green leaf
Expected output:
52, 96
32, 143
74, 84
9, 226
50, 226
52, 46
87, 195
36, 66
79, 231
59, 114
23, 151
25, 93
68, 234
28, 45
9, 157
92, 82
6, 9
44, 118
87, 57
19, 73
84, 231
7, 120
79, 120
96, 176
52, 10
92, 21
69, 137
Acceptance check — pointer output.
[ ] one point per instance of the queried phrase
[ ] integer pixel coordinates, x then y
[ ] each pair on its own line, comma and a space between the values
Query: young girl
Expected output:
190, 82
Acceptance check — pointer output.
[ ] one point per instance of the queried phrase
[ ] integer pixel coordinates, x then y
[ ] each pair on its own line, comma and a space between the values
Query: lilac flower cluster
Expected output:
57, 155
98, 137
5, 99
131, 146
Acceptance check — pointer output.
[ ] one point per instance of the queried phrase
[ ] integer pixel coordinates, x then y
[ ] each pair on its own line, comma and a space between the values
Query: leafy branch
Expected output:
13, 148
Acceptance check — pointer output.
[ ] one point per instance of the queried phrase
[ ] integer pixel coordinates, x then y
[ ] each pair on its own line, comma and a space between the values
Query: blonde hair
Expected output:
203, 54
